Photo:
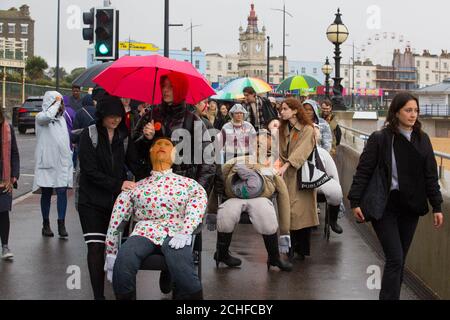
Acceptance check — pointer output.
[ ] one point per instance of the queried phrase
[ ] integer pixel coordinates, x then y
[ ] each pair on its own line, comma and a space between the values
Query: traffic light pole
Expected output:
57, 47
116, 49
166, 28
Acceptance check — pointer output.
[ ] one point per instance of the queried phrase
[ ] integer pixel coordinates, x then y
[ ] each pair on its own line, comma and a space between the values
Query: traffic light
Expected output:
88, 18
105, 34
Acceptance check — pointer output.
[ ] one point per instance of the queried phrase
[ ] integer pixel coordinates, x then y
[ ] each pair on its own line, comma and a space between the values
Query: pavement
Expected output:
56, 269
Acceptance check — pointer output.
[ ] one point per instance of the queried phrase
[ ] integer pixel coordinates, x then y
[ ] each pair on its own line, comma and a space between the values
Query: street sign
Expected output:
12, 63
137, 46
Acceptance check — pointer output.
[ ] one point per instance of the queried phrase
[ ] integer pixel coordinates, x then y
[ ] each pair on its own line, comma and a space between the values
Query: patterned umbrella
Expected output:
233, 89
298, 83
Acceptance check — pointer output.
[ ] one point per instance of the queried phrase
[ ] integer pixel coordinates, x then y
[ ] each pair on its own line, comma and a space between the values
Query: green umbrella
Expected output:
301, 83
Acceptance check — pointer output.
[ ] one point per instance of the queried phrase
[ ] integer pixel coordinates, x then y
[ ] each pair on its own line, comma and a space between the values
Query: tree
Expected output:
62, 73
74, 74
35, 67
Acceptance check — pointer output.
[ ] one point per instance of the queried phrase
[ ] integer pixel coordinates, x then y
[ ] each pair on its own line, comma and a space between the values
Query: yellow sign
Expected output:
138, 46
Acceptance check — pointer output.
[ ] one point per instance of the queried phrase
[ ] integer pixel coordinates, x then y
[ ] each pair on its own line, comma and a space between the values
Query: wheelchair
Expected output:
156, 260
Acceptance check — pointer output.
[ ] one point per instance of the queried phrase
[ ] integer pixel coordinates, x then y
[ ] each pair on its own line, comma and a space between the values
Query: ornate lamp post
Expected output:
327, 69
337, 33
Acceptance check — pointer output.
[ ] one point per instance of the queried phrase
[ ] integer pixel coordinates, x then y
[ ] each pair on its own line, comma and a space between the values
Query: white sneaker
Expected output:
6, 253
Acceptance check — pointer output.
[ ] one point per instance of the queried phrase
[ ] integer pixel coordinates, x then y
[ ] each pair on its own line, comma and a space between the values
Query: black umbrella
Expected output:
85, 79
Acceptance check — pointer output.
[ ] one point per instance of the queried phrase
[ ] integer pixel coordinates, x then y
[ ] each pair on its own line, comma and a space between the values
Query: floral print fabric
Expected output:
164, 204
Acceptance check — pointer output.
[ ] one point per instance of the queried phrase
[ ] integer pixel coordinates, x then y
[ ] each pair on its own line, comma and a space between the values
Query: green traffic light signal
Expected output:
103, 49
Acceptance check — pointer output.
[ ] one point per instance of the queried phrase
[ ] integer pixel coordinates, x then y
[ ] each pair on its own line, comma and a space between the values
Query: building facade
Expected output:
362, 77
309, 68
16, 33
432, 68
276, 70
221, 69
252, 44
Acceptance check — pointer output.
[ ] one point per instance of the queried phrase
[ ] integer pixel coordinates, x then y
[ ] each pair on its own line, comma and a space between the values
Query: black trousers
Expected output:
395, 231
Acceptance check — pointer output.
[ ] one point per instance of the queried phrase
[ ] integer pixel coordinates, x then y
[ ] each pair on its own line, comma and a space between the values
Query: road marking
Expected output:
22, 198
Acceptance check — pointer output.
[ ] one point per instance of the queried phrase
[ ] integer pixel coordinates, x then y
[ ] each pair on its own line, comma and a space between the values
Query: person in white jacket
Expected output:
53, 160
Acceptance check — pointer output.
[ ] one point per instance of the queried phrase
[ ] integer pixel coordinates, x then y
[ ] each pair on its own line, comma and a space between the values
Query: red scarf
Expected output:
6, 153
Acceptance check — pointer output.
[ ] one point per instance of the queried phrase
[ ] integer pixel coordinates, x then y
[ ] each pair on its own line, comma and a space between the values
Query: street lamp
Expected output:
190, 28
337, 33
284, 35
327, 69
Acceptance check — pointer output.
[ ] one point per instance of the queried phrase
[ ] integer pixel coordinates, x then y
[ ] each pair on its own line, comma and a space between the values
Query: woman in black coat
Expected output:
402, 156
106, 155
9, 171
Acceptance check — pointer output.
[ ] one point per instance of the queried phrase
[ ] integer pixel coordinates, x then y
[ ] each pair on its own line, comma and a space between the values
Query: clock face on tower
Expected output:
258, 47
244, 47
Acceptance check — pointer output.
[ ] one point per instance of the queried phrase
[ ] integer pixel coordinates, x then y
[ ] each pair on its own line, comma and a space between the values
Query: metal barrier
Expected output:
364, 136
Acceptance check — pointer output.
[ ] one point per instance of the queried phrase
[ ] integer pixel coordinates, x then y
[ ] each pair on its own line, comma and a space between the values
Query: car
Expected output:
26, 113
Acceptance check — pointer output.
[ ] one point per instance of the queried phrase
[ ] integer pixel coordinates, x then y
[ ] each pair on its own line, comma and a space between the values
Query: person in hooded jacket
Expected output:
103, 175
53, 171
312, 110
163, 120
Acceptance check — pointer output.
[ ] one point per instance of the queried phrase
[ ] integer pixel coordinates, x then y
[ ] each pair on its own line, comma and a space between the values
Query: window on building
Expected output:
436, 77
358, 73
346, 72
418, 63
208, 65
1, 27
367, 73
445, 65
280, 68
271, 79
230, 66
25, 46
197, 64
427, 77
271, 68
427, 64
219, 65
315, 70
303, 70
437, 65
358, 84
24, 29
11, 28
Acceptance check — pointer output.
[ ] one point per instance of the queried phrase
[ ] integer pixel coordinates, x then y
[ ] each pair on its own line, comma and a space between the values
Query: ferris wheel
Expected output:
379, 47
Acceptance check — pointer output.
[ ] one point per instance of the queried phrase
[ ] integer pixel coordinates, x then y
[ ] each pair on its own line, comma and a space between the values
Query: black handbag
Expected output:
312, 174
375, 196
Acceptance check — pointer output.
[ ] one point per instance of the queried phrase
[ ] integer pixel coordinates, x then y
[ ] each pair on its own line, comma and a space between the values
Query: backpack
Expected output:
93, 135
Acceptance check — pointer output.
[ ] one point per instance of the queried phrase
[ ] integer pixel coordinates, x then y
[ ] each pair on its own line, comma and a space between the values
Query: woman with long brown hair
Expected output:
9, 170
297, 141
401, 158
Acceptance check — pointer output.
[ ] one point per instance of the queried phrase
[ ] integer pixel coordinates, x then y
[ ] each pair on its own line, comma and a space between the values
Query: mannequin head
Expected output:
162, 154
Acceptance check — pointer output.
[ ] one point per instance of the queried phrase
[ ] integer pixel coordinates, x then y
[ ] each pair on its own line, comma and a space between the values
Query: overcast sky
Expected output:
424, 23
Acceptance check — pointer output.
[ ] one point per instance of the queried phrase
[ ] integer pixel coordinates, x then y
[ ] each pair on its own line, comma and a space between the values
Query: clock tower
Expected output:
252, 48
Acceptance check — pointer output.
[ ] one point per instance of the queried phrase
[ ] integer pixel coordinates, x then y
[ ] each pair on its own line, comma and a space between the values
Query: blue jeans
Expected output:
130, 256
61, 202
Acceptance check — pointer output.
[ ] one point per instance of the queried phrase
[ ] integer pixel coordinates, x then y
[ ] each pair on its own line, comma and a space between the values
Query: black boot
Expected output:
46, 231
127, 296
165, 282
62, 229
271, 243
333, 212
222, 254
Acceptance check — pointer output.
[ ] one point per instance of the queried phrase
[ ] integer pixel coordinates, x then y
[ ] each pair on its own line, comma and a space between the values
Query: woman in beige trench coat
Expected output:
296, 144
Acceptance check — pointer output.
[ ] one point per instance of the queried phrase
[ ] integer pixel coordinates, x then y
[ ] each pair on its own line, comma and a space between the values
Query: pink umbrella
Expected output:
138, 78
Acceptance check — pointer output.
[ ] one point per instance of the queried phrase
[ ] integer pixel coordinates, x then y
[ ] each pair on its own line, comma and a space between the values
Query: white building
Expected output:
276, 70
432, 68
365, 75
220, 69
